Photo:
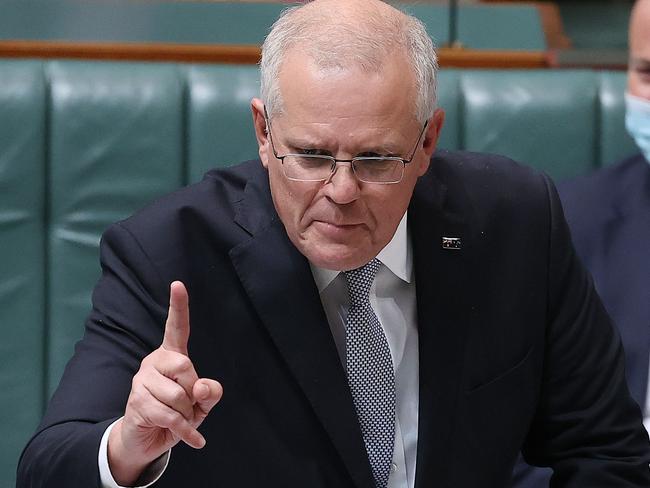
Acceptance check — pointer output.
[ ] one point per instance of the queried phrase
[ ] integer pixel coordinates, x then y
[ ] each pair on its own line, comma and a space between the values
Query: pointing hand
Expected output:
168, 401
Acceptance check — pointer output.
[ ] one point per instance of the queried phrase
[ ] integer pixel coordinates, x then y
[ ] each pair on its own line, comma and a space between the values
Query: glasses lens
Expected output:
379, 170
307, 168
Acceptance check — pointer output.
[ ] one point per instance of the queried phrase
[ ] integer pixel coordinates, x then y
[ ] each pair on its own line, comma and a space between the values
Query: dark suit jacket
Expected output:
609, 216
515, 347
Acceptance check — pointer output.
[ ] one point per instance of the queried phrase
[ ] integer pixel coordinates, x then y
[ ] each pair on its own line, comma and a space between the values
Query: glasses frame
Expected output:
335, 161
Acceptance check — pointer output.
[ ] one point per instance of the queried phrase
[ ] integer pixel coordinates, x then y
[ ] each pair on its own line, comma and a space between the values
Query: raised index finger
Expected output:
177, 327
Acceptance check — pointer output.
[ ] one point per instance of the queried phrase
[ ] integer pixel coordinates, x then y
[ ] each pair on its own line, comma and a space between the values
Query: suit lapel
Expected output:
279, 283
442, 283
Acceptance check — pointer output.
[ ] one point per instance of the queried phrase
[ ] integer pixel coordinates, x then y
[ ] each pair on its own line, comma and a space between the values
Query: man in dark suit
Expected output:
609, 216
477, 331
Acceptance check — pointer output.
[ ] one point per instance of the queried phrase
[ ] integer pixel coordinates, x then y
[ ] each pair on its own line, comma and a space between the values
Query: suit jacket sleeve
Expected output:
124, 326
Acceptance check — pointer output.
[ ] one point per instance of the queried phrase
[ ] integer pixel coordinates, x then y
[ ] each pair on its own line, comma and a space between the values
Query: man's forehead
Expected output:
298, 69
640, 26
339, 106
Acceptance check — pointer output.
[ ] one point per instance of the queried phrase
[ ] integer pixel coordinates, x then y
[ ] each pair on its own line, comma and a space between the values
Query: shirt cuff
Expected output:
151, 474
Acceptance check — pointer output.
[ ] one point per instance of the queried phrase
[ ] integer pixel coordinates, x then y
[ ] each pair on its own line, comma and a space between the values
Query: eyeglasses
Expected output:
317, 167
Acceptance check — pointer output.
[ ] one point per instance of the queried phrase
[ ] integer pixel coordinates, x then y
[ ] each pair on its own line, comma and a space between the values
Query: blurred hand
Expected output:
168, 401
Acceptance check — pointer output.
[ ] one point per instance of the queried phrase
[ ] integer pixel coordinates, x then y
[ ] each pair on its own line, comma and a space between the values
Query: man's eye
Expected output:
376, 155
312, 152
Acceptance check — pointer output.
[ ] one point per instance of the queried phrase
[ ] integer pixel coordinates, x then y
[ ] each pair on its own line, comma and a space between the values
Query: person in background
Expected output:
376, 315
609, 216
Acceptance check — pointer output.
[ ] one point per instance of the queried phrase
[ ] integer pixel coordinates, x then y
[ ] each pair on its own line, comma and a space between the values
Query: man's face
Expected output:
343, 223
639, 68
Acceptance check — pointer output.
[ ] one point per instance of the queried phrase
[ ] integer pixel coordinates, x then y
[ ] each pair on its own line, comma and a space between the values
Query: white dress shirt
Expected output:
392, 297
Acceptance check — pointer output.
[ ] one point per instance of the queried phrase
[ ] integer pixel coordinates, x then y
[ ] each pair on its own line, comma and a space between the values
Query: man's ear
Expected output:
433, 132
431, 139
261, 134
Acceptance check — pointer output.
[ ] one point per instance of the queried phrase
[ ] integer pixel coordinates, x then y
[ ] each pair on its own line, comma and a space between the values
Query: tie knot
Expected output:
360, 280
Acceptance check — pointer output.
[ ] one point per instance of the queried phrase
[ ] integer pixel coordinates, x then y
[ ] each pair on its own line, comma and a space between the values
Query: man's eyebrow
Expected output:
386, 148
305, 142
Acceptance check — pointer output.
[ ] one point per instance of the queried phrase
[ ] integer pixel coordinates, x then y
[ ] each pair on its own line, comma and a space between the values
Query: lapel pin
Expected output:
451, 243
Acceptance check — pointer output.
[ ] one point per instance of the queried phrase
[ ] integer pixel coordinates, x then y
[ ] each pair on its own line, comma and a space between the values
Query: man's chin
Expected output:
338, 251
337, 257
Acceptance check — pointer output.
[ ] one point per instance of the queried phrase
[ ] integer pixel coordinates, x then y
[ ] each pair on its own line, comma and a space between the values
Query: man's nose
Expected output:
342, 186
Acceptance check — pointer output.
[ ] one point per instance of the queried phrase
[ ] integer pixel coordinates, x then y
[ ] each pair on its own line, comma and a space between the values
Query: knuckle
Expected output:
172, 419
137, 384
138, 397
178, 395
182, 364
150, 359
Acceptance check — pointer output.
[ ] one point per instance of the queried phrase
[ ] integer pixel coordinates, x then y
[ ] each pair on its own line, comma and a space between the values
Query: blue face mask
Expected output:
637, 122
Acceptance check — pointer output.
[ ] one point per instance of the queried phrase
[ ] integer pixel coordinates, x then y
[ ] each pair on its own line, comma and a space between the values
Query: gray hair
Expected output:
333, 40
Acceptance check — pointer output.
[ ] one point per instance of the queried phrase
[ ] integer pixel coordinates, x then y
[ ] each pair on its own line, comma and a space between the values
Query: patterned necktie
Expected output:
370, 373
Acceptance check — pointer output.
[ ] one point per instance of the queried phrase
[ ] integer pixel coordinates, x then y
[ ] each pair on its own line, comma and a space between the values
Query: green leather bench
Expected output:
83, 144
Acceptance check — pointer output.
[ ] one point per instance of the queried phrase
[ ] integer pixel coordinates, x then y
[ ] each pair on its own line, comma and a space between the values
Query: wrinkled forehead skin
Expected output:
309, 89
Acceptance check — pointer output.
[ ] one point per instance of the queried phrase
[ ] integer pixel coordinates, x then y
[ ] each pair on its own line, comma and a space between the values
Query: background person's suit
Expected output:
609, 216
514, 344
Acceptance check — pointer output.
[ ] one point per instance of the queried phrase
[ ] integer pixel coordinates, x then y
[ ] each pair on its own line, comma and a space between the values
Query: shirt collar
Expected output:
396, 256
